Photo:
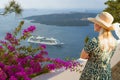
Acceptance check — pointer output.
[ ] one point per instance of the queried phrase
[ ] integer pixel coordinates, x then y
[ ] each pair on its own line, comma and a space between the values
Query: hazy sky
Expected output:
59, 4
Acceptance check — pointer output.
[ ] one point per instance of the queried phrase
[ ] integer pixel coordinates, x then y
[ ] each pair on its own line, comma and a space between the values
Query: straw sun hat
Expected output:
104, 19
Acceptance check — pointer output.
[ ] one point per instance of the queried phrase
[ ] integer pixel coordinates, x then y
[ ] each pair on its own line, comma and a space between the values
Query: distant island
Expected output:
63, 19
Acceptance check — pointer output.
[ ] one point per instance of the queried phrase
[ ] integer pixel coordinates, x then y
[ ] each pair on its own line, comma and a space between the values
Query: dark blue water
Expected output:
72, 37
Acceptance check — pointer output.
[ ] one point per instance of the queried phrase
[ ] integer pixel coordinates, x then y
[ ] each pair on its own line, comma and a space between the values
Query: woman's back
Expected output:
98, 65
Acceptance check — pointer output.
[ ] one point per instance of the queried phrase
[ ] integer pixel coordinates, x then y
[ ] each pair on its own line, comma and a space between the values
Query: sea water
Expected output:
72, 37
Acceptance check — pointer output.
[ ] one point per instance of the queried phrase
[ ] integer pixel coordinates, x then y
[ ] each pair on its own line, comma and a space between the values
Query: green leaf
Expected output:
113, 7
86, 39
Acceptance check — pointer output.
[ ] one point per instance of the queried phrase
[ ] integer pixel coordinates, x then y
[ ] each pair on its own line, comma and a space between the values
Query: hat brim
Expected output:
102, 24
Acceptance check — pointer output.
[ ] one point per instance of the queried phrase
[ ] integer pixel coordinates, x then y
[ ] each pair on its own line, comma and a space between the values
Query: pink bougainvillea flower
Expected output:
3, 75
28, 30
1, 47
8, 36
31, 28
13, 78
19, 62
11, 48
43, 46
51, 66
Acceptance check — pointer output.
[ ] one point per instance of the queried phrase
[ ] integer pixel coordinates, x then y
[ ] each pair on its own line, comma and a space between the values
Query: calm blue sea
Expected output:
72, 37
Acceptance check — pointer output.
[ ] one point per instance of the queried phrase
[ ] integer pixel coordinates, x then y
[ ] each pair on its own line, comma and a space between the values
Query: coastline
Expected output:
63, 19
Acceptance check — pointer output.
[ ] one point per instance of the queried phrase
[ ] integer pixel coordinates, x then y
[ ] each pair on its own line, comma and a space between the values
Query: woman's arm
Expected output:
84, 55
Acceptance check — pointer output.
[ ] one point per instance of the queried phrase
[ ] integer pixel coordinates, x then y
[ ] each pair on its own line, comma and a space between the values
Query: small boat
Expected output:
44, 40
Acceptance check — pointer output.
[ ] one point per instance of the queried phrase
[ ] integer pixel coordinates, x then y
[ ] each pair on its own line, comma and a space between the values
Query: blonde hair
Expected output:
106, 40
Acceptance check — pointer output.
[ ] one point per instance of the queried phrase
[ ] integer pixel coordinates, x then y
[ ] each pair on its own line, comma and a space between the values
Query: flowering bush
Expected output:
20, 62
